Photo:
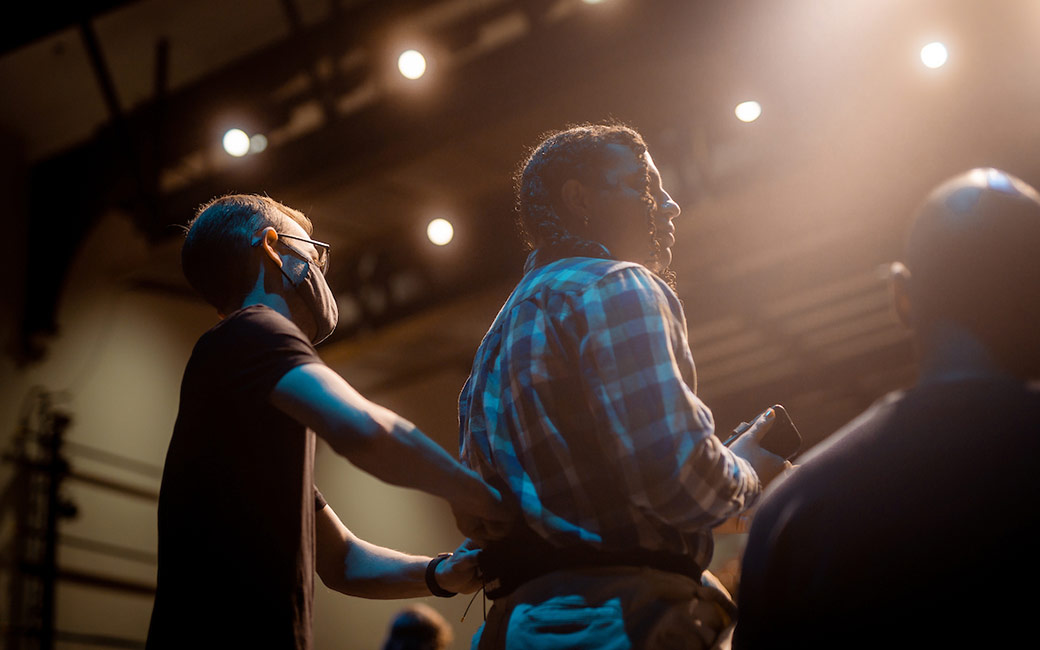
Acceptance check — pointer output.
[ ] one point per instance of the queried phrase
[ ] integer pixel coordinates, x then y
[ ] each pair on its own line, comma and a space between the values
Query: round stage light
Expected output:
257, 143
412, 64
236, 143
934, 55
748, 111
440, 231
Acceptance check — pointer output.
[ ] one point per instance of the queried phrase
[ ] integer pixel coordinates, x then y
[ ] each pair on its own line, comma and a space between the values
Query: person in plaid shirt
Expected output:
581, 405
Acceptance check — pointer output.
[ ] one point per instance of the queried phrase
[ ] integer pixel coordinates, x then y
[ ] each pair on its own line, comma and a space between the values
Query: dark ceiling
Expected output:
786, 221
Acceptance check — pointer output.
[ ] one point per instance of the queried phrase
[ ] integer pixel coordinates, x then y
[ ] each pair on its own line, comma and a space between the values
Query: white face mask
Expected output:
314, 290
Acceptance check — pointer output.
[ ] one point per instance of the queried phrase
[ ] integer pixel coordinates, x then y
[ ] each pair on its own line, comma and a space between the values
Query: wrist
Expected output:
431, 577
475, 496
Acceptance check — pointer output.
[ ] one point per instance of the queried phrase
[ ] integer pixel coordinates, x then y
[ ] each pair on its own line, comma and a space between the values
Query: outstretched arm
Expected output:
355, 567
387, 446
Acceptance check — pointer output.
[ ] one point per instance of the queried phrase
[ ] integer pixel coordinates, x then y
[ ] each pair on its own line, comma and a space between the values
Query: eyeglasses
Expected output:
324, 251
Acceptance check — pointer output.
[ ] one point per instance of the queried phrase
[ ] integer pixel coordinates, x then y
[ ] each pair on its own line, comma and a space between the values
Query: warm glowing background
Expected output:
797, 135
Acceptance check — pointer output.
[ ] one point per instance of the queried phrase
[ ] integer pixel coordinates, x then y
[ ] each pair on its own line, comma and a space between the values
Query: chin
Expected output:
661, 262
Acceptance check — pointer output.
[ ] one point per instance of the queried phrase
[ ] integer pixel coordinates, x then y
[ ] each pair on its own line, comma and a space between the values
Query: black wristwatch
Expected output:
431, 577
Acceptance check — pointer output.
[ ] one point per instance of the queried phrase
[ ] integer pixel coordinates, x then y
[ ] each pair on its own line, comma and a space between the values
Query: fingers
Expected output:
480, 530
762, 424
470, 526
488, 525
459, 573
498, 529
496, 497
770, 466
465, 561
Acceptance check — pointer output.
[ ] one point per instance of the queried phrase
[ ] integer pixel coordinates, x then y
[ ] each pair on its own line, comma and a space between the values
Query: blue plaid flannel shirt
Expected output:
581, 402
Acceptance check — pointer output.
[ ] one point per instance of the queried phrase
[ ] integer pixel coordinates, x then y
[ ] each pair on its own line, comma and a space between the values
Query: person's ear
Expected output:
576, 198
266, 239
900, 280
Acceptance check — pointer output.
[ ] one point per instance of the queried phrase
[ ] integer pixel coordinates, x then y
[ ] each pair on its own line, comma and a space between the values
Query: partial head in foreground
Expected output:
243, 248
418, 627
972, 261
595, 186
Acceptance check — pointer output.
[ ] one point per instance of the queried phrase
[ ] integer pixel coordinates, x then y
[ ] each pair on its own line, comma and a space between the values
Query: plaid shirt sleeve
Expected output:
638, 370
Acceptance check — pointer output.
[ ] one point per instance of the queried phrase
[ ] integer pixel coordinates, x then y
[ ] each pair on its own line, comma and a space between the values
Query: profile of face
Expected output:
302, 283
617, 210
297, 251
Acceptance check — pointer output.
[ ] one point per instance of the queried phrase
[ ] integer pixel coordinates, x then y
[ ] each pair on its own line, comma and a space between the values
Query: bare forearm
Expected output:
378, 440
400, 454
355, 567
375, 572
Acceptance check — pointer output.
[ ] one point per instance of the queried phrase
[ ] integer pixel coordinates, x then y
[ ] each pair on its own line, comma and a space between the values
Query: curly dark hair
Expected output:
579, 152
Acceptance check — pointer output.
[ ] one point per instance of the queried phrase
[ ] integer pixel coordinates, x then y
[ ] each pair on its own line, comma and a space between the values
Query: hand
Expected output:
488, 521
749, 447
460, 573
738, 523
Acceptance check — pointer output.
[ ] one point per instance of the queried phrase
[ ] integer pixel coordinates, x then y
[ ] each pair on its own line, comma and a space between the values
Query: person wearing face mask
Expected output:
242, 528
582, 405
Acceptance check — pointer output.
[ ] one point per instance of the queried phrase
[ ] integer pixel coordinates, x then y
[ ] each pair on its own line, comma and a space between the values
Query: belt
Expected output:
507, 564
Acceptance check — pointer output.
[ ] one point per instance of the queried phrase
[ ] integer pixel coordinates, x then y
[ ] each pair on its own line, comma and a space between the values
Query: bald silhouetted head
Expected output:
974, 261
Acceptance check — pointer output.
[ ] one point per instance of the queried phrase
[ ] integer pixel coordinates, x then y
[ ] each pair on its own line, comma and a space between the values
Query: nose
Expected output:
669, 209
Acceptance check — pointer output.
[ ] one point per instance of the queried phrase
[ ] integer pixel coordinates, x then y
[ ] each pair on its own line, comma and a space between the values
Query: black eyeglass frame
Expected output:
324, 251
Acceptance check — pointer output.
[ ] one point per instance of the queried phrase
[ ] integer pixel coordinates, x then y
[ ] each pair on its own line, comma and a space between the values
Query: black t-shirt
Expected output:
912, 527
236, 507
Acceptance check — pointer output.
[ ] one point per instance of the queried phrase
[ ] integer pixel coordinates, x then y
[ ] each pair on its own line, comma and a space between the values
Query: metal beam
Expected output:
31, 21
